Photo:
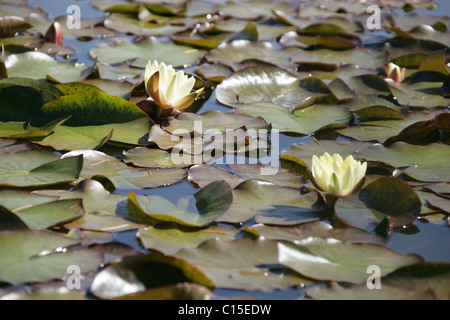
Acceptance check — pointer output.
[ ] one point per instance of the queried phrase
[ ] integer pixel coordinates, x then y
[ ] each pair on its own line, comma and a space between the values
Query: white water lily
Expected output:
167, 88
394, 72
337, 176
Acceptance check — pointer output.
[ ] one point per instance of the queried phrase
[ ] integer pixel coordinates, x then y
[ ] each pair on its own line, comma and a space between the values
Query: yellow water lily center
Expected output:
167, 88
337, 176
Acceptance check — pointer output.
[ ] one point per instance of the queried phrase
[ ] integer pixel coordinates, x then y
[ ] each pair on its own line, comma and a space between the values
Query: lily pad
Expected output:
304, 121
382, 130
360, 56
151, 158
237, 51
246, 264
203, 175
137, 273
33, 256
38, 168
423, 163
103, 223
268, 84
37, 65
169, 239
254, 197
50, 214
214, 121
16, 199
127, 24
147, 49
181, 291
331, 259
422, 276
383, 197
210, 202
361, 292
97, 165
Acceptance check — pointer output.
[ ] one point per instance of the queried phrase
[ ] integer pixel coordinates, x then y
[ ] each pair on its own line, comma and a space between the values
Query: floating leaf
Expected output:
127, 24
246, 264
424, 163
10, 25
383, 197
331, 259
137, 273
205, 174
254, 197
50, 214
181, 291
37, 168
423, 276
16, 199
360, 56
303, 121
151, 158
232, 53
211, 202
37, 65
103, 223
361, 292
98, 164
147, 49
32, 256
170, 239
268, 84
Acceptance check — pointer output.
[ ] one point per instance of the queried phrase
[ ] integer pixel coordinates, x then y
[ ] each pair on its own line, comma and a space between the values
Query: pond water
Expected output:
430, 240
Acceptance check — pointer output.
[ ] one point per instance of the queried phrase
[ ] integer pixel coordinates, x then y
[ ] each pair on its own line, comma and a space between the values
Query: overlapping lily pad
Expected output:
246, 264
147, 49
33, 256
38, 168
97, 164
330, 259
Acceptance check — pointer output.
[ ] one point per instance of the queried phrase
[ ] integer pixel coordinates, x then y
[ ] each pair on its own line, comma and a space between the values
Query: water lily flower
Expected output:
167, 88
394, 72
337, 176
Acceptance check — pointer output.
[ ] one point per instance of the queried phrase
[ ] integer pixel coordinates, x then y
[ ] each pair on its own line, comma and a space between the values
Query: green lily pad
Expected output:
360, 56
169, 239
303, 121
121, 89
37, 168
147, 49
211, 202
96, 199
33, 256
203, 175
127, 24
151, 158
246, 264
361, 292
423, 163
423, 90
318, 229
330, 259
382, 130
50, 214
237, 51
215, 121
268, 84
37, 65
254, 197
423, 276
20, 103
118, 72
383, 197
103, 223
137, 273
97, 165
250, 11
16, 199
